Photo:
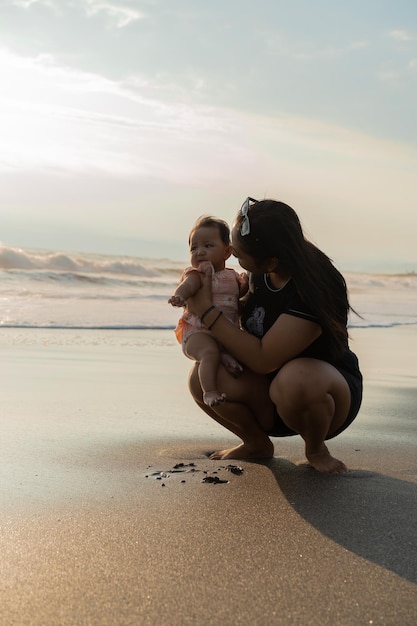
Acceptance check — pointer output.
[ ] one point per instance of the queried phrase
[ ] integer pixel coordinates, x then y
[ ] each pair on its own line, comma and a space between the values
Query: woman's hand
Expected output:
203, 298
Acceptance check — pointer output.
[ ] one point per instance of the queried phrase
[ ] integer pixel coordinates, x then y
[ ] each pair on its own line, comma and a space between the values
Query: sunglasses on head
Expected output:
244, 212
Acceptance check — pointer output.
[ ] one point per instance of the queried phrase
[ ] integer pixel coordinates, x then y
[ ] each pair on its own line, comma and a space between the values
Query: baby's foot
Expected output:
213, 398
230, 363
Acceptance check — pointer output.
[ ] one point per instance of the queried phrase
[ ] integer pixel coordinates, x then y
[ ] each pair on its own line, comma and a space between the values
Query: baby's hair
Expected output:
205, 221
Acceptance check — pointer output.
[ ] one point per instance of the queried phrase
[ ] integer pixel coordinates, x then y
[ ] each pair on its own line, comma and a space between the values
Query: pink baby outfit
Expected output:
225, 288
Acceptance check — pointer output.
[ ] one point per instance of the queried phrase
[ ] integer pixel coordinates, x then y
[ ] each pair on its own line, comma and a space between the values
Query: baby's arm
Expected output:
186, 289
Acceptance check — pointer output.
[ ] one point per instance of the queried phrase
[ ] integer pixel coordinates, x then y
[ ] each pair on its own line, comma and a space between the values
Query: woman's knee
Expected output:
301, 383
306, 386
290, 386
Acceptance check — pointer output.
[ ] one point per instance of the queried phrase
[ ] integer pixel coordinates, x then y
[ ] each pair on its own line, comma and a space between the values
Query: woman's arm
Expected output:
285, 340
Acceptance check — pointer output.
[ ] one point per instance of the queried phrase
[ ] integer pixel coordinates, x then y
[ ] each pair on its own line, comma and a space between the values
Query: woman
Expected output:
295, 343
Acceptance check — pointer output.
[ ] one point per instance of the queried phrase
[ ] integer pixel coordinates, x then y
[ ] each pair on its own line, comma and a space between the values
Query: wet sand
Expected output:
91, 533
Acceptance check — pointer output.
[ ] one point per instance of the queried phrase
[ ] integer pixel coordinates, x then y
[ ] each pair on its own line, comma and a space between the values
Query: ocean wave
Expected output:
84, 266
76, 279
359, 282
382, 324
78, 264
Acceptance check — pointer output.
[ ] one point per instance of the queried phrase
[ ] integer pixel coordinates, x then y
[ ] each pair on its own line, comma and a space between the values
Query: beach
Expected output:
105, 518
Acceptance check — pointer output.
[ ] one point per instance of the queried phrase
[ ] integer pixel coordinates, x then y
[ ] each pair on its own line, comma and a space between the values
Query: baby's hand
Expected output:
177, 301
206, 267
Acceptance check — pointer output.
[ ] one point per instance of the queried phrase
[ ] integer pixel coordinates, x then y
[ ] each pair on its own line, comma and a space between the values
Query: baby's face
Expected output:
207, 245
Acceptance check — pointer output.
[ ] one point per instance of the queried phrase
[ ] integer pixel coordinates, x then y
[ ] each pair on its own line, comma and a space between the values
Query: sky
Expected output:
122, 121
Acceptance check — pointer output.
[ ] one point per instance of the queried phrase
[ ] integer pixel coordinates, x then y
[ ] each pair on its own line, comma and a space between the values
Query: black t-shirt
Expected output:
264, 305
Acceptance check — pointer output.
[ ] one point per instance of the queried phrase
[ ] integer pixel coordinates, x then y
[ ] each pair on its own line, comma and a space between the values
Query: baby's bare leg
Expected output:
203, 348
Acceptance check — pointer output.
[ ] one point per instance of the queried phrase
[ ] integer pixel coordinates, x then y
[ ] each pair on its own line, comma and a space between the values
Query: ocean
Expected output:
55, 289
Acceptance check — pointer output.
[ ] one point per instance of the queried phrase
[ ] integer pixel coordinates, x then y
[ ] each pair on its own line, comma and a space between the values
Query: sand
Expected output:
90, 536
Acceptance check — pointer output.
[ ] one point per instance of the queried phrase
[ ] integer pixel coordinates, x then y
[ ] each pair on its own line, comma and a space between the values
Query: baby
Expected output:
209, 243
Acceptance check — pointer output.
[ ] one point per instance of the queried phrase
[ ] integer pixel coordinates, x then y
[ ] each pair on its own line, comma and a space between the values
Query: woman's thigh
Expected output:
305, 384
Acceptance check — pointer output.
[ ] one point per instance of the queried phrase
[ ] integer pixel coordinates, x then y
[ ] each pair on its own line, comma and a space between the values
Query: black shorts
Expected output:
349, 368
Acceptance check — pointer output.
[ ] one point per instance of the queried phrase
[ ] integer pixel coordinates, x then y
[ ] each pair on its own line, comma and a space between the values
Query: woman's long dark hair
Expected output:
275, 231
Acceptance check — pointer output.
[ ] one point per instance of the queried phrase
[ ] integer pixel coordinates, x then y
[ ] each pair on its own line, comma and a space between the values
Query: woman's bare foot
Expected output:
230, 363
242, 451
324, 462
213, 398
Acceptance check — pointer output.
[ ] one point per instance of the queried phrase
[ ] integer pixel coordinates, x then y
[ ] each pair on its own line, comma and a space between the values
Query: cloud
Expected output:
122, 15
56, 118
399, 73
312, 51
357, 45
388, 75
28, 3
64, 121
402, 35
119, 14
